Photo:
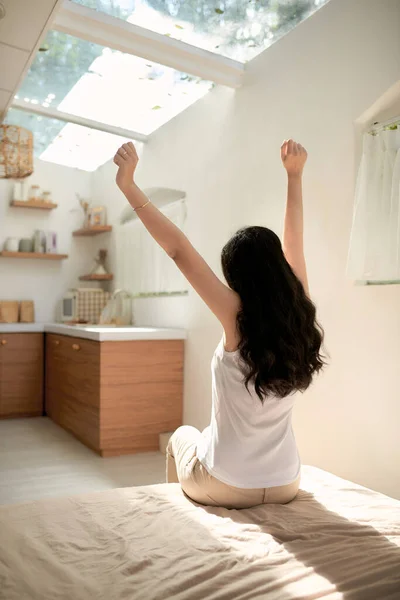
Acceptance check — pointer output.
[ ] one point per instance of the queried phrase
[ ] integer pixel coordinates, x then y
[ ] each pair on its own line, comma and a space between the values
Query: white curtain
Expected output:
374, 253
142, 267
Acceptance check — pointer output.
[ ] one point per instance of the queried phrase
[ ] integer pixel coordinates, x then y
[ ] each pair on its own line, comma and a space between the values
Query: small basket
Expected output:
16, 152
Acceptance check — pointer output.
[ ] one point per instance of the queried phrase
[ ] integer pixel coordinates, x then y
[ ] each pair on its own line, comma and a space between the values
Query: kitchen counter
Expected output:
115, 388
118, 389
98, 333
103, 333
22, 327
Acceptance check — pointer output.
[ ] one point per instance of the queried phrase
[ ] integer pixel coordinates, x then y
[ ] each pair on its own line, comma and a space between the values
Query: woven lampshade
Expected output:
16, 152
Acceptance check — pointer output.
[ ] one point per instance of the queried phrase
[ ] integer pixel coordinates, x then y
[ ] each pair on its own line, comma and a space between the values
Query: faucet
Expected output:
118, 310
123, 307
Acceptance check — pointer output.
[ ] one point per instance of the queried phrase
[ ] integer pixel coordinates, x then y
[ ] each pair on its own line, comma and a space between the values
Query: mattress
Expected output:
335, 541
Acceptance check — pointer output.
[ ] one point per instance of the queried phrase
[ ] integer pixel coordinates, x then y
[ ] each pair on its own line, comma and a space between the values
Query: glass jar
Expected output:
46, 196
24, 190
34, 193
17, 191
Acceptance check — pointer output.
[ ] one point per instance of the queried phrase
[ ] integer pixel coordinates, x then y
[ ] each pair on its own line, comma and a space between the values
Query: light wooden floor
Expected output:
38, 459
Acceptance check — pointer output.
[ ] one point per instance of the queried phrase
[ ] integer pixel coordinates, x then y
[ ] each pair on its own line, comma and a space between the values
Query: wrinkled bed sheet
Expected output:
336, 540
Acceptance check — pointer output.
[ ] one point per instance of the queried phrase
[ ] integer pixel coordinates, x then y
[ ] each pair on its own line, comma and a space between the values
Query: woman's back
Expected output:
249, 443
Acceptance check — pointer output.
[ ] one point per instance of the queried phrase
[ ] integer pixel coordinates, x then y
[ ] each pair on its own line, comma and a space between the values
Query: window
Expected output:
90, 81
107, 86
237, 29
126, 95
374, 254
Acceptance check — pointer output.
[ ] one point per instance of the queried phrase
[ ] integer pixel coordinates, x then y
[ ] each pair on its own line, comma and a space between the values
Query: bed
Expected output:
335, 541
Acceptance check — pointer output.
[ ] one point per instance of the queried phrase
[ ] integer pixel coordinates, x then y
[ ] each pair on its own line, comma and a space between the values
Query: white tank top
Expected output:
247, 444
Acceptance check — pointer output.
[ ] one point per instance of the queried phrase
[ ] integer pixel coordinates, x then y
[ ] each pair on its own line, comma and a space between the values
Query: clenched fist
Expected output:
127, 160
294, 157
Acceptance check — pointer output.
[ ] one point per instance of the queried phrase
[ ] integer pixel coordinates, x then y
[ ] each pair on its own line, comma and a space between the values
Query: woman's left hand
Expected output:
294, 157
127, 160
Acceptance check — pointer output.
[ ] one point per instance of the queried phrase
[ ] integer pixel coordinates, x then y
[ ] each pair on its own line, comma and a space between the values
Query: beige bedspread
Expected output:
336, 540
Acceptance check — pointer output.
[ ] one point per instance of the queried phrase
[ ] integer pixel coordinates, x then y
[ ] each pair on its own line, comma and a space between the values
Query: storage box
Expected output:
9, 311
27, 311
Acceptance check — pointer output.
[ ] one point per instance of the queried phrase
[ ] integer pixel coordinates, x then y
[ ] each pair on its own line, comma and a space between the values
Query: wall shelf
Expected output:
94, 277
33, 204
39, 255
90, 231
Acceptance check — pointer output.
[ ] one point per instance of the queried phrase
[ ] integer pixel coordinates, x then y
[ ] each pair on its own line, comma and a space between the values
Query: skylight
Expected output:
87, 80
109, 95
237, 29
91, 81
66, 143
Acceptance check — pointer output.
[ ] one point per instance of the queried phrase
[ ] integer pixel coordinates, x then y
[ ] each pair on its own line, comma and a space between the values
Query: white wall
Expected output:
169, 311
224, 152
46, 281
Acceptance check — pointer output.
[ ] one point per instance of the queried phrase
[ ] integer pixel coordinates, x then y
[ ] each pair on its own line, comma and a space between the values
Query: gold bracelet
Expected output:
143, 205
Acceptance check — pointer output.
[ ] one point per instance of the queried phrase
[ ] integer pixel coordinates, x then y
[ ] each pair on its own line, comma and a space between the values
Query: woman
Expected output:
270, 349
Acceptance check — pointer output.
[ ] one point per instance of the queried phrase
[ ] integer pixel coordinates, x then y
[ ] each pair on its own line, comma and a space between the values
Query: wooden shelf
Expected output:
40, 255
107, 277
89, 231
34, 204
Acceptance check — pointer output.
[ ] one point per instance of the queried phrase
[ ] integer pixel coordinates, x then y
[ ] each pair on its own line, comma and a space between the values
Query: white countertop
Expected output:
99, 333
103, 333
21, 327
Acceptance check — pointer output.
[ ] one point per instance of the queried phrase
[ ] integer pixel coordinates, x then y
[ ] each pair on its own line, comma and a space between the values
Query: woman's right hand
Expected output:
294, 157
127, 160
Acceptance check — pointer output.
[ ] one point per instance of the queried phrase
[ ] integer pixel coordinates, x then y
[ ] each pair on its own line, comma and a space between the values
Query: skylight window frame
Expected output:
116, 34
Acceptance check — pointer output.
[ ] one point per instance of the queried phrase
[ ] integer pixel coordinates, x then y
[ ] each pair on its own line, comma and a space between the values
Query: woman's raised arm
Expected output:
294, 157
222, 301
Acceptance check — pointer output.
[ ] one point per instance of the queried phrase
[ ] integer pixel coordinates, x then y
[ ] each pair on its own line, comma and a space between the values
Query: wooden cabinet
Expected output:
116, 397
21, 375
72, 397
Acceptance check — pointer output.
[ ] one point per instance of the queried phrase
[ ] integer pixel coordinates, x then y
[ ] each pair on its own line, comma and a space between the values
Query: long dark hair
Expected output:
280, 338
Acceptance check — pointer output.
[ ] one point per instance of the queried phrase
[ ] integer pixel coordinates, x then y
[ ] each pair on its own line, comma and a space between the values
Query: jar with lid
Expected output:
24, 190
34, 193
20, 191
46, 196
17, 191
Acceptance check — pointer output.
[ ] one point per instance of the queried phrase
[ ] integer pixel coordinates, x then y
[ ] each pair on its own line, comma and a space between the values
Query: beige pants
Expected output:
184, 467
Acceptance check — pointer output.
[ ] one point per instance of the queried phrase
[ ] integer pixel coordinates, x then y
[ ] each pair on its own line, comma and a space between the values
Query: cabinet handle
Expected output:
76, 347
3, 342
56, 342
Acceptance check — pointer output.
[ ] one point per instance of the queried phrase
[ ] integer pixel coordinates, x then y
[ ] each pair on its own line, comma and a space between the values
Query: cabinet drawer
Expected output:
72, 348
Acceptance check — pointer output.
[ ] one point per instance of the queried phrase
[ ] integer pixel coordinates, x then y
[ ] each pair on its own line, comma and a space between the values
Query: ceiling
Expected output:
19, 39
